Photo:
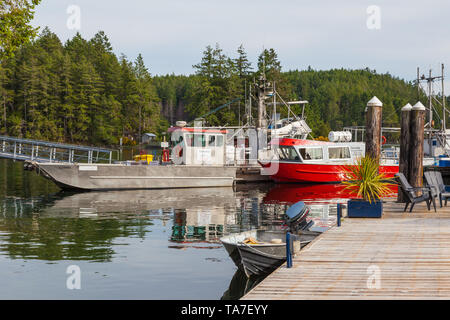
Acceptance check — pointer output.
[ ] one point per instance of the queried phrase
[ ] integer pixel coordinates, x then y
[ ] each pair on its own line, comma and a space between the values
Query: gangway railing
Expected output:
44, 151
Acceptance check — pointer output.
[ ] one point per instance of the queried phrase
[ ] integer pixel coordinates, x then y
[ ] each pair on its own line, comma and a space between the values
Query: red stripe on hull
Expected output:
318, 173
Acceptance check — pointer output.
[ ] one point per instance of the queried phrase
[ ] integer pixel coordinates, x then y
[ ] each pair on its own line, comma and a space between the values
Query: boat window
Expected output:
339, 153
311, 153
189, 138
288, 154
215, 141
196, 140
179, 140
211, 141
219, 141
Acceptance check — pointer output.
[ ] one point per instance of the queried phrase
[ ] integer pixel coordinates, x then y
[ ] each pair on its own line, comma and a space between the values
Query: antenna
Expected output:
430, 93
444, 109
439, 134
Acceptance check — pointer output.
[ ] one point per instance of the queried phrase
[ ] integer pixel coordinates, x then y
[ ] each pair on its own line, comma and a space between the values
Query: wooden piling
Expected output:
373, 128
417, 122
404, 146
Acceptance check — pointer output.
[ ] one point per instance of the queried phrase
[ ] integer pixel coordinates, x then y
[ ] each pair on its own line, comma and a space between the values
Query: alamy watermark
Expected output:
373, 21
256, 140
374, 279
74, 279
74, 19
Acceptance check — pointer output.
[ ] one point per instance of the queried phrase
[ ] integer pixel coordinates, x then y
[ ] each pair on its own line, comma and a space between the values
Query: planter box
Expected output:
364, 209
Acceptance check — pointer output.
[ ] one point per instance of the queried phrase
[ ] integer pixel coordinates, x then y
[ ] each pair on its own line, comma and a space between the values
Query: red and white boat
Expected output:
311, 161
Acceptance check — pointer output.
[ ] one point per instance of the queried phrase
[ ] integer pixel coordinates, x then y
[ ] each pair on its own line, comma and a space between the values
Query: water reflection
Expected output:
240, 285
155, 235
291, 193
83, 226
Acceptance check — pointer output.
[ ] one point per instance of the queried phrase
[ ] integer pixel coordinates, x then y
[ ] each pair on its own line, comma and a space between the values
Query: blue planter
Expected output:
357, 208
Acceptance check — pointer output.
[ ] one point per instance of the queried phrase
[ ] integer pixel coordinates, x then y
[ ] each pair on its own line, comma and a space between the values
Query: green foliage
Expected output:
364, 180
79, 92
15, 16
337, 97
217, 79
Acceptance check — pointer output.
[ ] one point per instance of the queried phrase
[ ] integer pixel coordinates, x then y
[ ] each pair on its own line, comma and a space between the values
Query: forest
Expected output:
81, 92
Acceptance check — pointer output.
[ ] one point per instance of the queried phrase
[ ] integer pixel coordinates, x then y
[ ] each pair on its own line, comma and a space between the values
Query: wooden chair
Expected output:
411, 192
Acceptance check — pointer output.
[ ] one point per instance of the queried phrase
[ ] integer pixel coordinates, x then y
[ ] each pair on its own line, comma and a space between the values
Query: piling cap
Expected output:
375, 102
418, 106
407, 107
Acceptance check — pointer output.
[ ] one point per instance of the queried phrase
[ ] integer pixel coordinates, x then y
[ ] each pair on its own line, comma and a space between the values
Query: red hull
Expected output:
317, 173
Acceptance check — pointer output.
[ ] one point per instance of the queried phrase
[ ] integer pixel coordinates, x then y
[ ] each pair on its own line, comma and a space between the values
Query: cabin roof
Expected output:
196, 130
298, 142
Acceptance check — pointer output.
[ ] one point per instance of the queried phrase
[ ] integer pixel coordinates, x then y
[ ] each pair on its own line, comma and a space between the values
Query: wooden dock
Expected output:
401, 256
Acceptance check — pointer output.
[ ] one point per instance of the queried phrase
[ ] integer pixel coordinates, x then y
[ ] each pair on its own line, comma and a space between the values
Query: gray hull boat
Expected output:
100, 177
263, 257
259, 252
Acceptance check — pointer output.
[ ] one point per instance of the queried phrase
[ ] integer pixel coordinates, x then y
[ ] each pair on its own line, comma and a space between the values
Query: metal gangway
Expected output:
44, 151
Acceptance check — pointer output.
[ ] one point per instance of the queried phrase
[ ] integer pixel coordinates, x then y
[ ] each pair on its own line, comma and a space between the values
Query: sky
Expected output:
383, 35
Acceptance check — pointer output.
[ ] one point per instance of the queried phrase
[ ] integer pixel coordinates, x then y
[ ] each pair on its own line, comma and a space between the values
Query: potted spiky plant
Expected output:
369, 185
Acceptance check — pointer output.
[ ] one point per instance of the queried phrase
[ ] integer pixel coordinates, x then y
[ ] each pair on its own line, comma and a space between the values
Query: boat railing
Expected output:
43, 151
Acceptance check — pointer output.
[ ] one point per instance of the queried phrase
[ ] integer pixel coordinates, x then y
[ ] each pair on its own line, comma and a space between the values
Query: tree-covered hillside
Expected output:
81, 92
337, 97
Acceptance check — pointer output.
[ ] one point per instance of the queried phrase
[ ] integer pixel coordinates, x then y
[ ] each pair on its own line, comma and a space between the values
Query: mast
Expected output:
444, 110
439, 134
261, 104
274, 116
430, 103
418, 84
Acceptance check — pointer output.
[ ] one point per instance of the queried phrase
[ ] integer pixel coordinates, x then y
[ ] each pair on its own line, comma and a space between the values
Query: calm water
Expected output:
134, 244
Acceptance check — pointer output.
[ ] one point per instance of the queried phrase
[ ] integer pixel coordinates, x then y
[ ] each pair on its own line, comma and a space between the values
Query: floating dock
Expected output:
400, 256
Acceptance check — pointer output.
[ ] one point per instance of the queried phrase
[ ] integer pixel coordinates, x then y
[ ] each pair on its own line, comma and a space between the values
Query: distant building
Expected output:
148, 137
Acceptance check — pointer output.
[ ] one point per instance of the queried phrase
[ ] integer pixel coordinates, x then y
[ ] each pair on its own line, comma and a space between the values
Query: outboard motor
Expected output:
296, 217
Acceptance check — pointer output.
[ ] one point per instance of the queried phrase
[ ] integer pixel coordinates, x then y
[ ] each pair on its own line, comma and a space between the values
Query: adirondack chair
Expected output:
432, 182
439, 186
411, 193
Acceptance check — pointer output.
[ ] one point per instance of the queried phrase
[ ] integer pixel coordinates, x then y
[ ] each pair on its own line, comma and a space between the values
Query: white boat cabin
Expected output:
316, 152
197, 146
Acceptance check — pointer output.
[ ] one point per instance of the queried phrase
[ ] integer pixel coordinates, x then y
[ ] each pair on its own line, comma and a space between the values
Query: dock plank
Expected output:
407, 253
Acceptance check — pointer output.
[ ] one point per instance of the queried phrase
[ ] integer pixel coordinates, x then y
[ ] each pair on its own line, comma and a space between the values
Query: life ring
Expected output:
383, 140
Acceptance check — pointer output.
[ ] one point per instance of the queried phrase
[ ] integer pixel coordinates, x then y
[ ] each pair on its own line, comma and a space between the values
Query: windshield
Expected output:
288, 154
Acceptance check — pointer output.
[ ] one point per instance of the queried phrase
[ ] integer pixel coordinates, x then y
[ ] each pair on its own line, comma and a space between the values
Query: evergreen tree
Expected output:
15, 28
269, 64
81, 92
243, 65
6, 96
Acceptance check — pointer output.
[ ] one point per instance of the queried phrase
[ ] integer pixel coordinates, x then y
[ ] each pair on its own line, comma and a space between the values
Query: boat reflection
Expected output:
134, 202
48, 227
321, 198
310, 193
201, 225
240, 285
292, 193
87, 226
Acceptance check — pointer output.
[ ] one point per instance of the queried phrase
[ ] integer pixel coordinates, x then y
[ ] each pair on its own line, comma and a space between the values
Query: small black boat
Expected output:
259, 252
